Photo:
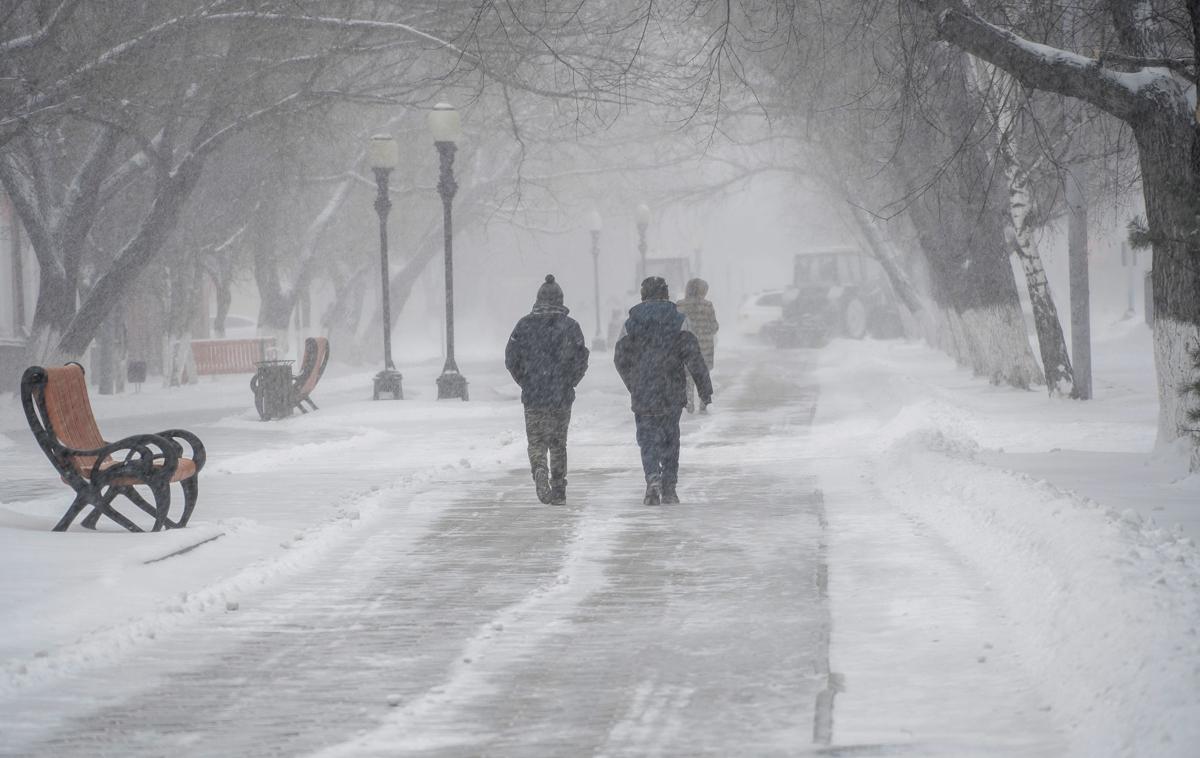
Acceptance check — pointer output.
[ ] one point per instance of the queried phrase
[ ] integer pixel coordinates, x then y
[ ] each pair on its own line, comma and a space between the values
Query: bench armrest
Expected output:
198, 454
139, 456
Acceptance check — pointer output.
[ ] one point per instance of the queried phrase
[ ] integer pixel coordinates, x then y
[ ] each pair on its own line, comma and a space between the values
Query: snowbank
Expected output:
1102, 601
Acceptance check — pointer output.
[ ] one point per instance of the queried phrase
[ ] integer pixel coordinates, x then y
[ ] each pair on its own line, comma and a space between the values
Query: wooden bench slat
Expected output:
237, 356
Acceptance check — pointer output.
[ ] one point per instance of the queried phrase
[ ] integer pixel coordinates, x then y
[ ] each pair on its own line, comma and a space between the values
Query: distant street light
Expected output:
384, 155
643, 221
447, 130
595, 223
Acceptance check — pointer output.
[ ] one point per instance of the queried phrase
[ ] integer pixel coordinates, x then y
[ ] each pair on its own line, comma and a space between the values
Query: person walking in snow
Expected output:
702, 321
547, 356
653, 355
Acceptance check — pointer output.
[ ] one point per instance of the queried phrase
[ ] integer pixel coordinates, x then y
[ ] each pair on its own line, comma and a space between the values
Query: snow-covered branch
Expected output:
1047, 68
39, 36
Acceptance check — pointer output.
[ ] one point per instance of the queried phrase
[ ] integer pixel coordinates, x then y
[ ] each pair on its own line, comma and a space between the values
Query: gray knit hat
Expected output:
550, 293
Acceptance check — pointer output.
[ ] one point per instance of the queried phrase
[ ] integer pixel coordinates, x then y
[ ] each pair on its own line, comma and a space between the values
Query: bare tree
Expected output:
1148, 83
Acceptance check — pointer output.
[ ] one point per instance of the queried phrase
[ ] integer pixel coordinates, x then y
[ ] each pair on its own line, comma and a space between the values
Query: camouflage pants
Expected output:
546, 432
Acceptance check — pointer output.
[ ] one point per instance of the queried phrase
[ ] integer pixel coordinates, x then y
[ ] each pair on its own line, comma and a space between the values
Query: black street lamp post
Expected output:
447, 130
384, 156
594, 225
643, 221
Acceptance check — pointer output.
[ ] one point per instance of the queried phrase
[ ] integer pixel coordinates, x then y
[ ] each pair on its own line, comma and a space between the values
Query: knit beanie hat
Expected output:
550, 293
654, 288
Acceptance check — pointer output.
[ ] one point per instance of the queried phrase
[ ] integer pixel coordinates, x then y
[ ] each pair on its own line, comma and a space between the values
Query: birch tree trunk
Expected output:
1056, 362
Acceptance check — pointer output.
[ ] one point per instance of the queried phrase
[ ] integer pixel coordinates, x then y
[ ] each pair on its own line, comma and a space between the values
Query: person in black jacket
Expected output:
547, 357
652, 355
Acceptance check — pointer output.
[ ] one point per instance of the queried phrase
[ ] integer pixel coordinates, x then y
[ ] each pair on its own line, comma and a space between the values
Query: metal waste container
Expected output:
272, 386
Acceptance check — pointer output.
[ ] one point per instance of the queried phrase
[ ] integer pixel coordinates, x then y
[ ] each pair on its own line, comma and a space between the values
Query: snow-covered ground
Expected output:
1062, 510
999, 573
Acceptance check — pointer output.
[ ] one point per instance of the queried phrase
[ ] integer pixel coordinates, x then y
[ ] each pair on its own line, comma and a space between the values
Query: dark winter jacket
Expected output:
547, 357
652, 355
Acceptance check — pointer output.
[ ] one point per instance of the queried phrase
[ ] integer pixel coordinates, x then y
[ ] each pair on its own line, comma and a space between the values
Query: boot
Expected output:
669, 497
558, 492
653, 491
541, 482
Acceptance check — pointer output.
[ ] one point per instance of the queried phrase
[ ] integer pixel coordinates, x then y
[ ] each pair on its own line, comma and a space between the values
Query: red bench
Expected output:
316, 357
230, 356
60, 416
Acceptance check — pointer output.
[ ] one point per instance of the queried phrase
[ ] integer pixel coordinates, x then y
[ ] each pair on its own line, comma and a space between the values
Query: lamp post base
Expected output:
389, 380
598, 345
452, 384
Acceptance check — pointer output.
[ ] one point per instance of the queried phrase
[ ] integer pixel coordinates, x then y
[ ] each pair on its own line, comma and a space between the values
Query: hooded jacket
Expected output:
654, 351
701, 316
547, 356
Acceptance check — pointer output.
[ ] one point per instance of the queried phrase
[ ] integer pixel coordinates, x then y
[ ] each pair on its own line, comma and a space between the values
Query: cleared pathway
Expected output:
477, 622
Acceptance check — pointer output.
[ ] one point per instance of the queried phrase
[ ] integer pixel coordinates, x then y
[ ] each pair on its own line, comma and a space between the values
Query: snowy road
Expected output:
501, 627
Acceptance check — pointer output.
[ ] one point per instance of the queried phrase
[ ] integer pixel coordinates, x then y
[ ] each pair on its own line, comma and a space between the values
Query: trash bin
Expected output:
272, 385
135, 374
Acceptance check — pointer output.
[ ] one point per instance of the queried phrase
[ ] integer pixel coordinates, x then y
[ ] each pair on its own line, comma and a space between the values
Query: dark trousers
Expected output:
546, 432
658, 437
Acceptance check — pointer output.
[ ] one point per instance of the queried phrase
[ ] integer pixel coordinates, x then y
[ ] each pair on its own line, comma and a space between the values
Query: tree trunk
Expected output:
1081, 312
345, 314
341, 318
153, 233
1170, 197
973, 282
52, 311
224, 301
881, 250
1056, 362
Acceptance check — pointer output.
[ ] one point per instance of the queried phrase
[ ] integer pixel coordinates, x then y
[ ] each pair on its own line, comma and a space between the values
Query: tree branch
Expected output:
1041, 66
32, 40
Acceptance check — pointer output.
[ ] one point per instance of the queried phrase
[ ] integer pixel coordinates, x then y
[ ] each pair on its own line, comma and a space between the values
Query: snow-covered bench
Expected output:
60, 415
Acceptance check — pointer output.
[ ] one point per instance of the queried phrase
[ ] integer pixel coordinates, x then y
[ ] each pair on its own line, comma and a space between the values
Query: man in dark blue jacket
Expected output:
547, 357
654, 351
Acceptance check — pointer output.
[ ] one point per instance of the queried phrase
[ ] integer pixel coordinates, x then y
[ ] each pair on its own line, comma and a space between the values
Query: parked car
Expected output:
836, 292
239, 327
759, 310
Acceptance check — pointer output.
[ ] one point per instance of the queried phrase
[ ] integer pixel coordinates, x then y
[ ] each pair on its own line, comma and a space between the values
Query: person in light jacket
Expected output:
547, 357
702, 320
653, 356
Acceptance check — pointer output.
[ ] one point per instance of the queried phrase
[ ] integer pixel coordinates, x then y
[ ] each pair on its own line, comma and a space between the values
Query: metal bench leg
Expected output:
105, 508
135, 497
98, 510
77, 505
162, 503
191, 489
